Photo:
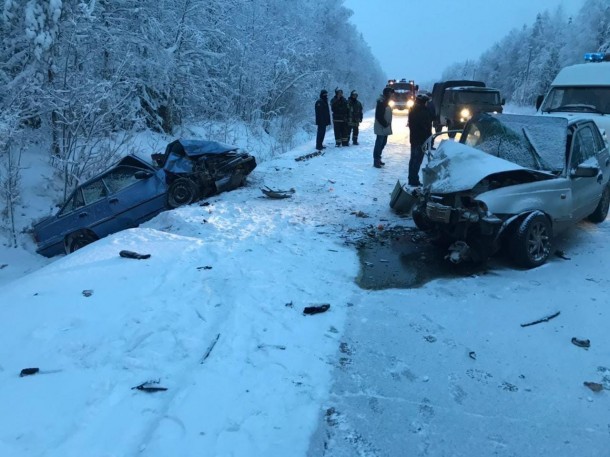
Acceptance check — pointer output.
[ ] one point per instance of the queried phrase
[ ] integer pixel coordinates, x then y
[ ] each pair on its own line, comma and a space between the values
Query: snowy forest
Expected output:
523, 64
78, 76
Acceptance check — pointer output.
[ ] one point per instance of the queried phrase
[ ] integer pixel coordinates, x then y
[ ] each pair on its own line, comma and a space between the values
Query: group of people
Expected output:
347, 115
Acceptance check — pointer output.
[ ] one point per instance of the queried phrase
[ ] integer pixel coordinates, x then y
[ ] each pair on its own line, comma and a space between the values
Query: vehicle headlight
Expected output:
410, 103
465, 113
391, 103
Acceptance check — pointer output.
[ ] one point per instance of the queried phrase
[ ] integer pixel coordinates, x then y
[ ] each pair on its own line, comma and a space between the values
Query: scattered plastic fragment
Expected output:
316, 309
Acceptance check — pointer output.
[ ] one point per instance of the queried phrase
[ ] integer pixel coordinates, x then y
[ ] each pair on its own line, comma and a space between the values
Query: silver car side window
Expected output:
583, 147
589, 145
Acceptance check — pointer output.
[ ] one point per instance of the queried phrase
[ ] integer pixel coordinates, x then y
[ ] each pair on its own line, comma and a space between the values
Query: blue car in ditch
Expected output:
133, 191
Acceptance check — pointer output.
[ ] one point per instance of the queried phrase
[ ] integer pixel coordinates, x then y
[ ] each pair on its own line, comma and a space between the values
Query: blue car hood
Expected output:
193, 148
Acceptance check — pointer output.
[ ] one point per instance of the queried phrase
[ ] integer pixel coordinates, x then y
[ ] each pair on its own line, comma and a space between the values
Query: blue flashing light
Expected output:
597, 57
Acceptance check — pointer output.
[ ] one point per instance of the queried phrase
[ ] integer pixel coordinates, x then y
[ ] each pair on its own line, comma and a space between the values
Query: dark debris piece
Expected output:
276, 193
582, 343
28, 372
562, 255
544, 319
150, 386
207, 267
594, 386
133, 255
316, 309
308, 156
87, 292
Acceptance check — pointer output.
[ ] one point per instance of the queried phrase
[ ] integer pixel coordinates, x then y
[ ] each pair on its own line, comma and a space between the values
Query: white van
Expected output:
581, 90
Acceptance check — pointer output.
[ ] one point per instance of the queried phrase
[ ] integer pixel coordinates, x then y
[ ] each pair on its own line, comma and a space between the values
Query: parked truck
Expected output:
456, 101
404, 93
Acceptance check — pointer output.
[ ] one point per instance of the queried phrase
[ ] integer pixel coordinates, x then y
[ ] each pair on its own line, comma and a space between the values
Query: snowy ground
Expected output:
215, 316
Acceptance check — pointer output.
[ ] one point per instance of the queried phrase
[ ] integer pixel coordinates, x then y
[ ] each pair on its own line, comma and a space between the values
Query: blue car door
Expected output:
89, 210
135, 194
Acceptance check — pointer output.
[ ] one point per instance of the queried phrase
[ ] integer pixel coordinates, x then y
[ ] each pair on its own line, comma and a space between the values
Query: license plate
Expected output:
438, 213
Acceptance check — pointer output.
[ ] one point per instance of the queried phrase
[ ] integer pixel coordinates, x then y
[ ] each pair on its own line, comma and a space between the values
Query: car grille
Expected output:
438, 213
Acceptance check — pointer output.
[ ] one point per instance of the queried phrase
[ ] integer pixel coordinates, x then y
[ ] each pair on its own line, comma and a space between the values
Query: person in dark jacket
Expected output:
383, 125
354, 116
322, 118
420, 128
338, 106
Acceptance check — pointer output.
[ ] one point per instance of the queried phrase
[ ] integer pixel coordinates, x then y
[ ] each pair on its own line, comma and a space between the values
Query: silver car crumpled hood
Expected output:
457, 168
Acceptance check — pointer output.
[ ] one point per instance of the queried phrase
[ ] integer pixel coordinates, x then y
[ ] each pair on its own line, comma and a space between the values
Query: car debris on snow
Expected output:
210, 348
276, 193
309, 156
150, 386
594, 386
133, 255
316, 309
583, 343
28, 372
35, 370
544, 319
562, 255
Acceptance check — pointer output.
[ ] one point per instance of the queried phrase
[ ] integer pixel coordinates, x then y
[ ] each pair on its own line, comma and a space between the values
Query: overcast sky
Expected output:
418, 39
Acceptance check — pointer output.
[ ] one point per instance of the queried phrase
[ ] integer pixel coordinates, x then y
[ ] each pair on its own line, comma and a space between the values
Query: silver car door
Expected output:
586, 191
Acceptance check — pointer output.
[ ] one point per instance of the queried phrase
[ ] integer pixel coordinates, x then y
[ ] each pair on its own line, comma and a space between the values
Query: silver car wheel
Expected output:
533, 239
538, 242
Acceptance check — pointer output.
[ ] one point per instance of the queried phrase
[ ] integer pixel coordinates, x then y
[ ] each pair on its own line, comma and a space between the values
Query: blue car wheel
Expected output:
78, 240
181, 192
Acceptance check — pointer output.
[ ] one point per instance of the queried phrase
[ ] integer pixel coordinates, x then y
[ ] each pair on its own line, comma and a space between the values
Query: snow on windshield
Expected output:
457, 167
534, 142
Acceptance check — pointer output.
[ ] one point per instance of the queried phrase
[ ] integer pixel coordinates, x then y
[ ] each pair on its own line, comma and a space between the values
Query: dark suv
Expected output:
456, 102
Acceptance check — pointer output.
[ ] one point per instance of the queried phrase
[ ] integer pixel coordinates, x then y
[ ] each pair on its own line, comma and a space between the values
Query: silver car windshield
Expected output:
535, 142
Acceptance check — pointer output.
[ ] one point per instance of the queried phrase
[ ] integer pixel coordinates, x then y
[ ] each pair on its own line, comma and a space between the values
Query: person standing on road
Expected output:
354, 117
383, 125
322, 118
420, 128
338, 106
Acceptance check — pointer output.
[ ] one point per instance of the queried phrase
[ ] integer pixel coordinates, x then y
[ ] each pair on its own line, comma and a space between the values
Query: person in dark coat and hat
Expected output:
420, 128
354, 116
322, 118
338, 106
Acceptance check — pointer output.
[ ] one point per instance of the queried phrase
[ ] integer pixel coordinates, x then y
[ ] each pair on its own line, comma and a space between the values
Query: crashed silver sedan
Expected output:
515, 182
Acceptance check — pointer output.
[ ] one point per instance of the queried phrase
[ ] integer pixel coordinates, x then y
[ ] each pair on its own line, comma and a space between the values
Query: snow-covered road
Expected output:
382, 373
